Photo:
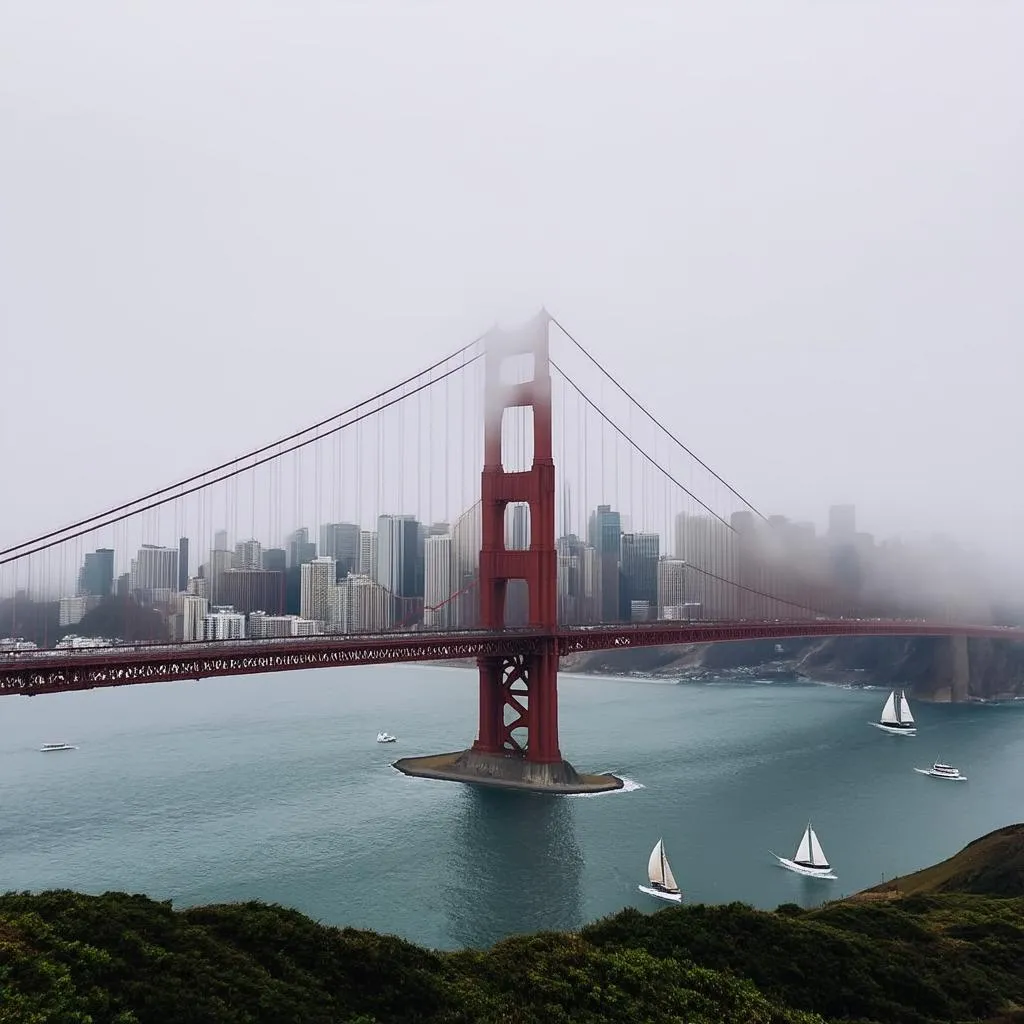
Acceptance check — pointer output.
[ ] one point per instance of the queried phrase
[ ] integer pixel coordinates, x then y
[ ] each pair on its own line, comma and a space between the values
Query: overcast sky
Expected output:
795, 229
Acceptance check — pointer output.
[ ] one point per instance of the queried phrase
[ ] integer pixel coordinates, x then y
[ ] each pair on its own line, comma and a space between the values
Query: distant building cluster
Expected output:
406, 574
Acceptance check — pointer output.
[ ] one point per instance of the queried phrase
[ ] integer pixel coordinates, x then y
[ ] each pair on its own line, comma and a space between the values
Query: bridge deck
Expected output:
37, 672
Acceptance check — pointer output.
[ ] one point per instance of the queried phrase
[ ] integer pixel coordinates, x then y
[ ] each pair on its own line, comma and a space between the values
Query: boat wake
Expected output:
628, 786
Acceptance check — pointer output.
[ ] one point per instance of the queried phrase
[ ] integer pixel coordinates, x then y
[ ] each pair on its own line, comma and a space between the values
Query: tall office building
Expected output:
467, 534
220, 540
842, 523
340, 541
672, 596
221, 561
96, 576
154, 568
275, 560
604, 536
640, 553
248, 555
318, 576
517, 526
437, 587
359, 605
710, 550
300, 549
400, 562
182, 564
193, 611
368, 553
253, 590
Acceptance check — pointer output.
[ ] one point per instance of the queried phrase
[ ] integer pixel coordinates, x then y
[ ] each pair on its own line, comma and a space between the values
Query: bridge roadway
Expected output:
30, 673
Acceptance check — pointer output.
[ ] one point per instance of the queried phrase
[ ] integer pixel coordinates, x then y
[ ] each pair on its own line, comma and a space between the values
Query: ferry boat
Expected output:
809, 859
49, 748
942, 771
386, 737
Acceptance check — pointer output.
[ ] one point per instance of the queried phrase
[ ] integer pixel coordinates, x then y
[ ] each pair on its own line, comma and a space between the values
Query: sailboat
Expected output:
896, 716
663, 883
809, 858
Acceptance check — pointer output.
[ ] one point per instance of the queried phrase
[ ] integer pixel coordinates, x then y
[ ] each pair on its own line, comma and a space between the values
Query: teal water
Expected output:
272, 788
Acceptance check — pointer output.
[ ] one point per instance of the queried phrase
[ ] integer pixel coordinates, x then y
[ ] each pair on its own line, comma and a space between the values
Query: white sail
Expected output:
658, 870
818, 858
656, 864
889, 711
803, 851
905, 716
670, 880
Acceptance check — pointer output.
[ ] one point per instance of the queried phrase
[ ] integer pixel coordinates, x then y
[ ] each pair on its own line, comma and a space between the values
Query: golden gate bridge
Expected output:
493, 564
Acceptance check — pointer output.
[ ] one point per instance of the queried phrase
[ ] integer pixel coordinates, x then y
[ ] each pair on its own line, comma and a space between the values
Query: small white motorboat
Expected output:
659, 874
809, 859
896, 716
50, 748
942, 771
386, 737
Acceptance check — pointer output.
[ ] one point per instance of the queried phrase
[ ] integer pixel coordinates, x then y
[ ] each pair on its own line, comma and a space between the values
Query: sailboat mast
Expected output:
664, 873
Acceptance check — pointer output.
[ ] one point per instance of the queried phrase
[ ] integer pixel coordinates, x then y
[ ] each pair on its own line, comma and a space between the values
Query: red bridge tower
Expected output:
517, 742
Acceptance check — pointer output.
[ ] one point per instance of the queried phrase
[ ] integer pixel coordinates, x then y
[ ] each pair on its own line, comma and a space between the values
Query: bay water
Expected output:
273, 788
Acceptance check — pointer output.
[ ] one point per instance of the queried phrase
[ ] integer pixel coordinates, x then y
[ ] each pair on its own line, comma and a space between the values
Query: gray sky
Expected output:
796, 230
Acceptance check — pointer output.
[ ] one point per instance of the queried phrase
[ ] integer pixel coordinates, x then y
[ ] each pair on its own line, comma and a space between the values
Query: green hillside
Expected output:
949, 947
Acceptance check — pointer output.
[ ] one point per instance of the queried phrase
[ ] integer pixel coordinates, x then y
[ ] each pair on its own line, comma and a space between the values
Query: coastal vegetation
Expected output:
945, 944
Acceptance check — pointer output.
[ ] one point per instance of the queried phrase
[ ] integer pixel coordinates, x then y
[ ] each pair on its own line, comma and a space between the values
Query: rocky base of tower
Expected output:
506, 771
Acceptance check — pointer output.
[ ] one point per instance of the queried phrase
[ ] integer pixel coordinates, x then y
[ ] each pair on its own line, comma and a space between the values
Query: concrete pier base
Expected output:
506, 771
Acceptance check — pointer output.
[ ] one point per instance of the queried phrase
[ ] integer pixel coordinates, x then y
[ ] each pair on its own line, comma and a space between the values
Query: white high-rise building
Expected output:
359, 605
74, 609
437, 581
318, 576
671, 587
248, 555
154, 568
194, 610
224, 624
368, 553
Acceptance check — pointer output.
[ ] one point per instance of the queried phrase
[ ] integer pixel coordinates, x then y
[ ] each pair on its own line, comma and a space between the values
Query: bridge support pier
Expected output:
517, 741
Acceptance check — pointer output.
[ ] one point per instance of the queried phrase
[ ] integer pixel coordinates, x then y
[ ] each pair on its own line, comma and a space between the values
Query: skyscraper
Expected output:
275, 560
671, 588
341, 541
248, 555
437, 581
358, 605
318, 576
842, 523
640, 552
400, 562
182, 564
368, 553
220, 540
96, 577
604, 535
300, 549
155, 568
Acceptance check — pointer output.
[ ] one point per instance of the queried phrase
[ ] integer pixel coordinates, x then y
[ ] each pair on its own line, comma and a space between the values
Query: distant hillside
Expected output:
930, 668
990, 866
